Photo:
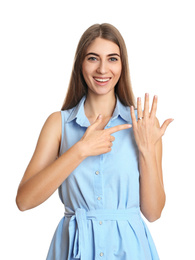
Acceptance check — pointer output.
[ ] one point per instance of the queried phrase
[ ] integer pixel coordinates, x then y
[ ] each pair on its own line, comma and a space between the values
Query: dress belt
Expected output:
80, 216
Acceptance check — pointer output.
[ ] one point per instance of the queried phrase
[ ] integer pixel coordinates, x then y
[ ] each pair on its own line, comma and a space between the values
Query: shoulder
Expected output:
54, 120
68, 114
52, 126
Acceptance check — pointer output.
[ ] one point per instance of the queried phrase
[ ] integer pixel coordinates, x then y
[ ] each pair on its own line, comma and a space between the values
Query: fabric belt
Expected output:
80, 216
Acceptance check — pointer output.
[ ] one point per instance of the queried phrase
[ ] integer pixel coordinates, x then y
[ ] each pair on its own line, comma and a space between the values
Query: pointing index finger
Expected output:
118, 128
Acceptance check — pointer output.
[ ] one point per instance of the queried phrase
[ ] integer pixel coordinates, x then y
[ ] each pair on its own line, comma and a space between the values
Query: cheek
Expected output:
117, 72
87, 70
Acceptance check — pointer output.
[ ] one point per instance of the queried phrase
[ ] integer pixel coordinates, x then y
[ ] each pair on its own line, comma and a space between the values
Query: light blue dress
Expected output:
101, 197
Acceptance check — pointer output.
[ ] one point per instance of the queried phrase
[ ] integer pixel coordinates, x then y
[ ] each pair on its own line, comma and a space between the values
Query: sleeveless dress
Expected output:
102, 217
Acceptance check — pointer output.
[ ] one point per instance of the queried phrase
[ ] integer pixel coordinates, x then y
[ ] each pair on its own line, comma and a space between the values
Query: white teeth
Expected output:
102, 80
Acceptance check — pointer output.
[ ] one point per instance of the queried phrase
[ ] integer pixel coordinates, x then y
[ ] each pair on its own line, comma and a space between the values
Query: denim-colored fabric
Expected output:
101, 197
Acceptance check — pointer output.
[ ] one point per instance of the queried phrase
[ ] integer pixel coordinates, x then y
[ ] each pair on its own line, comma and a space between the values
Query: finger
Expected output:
118, 128
111, 144
133, 117
154, 107
146, 105
96, 122
165, 125
112, 138
139, 108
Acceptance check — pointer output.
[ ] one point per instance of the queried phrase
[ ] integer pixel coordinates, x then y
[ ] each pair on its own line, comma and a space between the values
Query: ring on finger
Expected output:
140, 118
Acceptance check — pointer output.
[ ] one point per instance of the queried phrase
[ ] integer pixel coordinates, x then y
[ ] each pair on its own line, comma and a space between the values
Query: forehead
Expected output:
104, 47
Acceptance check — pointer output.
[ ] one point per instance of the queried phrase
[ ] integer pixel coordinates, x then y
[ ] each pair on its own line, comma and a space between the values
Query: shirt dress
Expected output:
102, 218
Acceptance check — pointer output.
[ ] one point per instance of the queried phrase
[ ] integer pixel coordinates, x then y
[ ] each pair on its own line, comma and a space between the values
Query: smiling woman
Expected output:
103, 187
100, 67
118, 53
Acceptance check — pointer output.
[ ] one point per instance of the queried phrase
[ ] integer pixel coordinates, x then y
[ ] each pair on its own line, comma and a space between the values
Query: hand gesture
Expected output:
147, 130
96, 142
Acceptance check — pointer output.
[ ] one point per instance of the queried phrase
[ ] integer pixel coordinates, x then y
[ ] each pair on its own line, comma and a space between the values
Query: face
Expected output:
102, 66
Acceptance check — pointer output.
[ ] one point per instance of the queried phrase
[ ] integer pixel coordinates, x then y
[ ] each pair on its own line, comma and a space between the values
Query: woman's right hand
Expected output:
96, 142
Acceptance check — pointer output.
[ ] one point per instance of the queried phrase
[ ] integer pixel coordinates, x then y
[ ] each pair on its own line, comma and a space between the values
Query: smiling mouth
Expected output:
102, 79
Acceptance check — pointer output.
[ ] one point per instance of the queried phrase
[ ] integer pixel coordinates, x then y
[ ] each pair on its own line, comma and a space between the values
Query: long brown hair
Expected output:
77, 86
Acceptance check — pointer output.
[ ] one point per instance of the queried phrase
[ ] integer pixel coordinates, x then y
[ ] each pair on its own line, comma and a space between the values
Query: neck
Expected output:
100, 104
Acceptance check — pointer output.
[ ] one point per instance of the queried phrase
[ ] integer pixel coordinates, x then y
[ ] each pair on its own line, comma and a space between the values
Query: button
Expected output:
100, 222
101, 254
99, 198
97, 172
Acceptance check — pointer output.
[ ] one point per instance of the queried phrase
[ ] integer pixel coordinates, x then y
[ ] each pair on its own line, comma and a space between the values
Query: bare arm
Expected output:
148, 135
45, 173
152, 194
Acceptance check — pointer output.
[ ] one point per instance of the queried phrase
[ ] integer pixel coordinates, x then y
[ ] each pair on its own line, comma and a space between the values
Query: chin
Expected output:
102, 91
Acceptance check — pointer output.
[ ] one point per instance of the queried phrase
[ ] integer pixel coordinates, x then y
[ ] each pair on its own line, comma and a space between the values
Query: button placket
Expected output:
98, 187
98, 192
109, 124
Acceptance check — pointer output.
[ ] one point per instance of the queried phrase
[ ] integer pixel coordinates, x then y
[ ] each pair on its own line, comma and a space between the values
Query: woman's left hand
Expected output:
147, 130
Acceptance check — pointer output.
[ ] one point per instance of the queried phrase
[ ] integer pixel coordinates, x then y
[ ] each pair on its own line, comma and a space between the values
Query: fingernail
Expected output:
100, 116
129, 125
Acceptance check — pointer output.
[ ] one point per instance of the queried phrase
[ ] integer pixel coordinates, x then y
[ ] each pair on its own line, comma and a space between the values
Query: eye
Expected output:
113, 59
92, 58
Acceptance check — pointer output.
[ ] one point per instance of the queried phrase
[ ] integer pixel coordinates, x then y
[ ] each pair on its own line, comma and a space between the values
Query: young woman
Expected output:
103, 156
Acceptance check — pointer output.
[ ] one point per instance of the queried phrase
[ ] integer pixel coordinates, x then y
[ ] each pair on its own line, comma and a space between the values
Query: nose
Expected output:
102, 68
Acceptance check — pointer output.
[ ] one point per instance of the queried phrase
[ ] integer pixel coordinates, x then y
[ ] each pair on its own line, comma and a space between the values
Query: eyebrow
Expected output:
95, 54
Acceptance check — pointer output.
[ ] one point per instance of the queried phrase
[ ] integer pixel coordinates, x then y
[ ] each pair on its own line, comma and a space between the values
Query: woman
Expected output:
104, 157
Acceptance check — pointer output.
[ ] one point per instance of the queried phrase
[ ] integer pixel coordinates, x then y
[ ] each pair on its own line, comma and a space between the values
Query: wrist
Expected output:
79, 148
147, 150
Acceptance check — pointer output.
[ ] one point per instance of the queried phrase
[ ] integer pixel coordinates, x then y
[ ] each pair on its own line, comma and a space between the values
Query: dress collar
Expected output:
78, 112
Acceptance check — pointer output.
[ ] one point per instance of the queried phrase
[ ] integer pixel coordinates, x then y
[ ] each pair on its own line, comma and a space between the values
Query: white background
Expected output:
37, 46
